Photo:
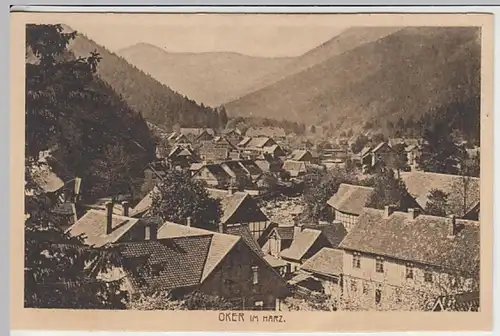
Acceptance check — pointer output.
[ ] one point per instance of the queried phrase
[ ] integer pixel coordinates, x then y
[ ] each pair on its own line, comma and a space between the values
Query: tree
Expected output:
437, 203
223, 118
163, 300
359, 143
59, 270
319, 186
439, 152
178, 197
388, 191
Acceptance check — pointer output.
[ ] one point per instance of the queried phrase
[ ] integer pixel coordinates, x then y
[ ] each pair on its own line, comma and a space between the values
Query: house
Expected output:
269, 163
259, 143
295, 168
210, 152
306, 243
348, 202
182, 156
238, 209
274, 150
243, 142
463, 191
198, 134
236, 171
252, 169
271, 132
213, 175
301, 155
278, 239
223, 142
395, 258
463, 302
181, 259
233, 136
325, 267
178, 139
194, 167
101, 228
382, 153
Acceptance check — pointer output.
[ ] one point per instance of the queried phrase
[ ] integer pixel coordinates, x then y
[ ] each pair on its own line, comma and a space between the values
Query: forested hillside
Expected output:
143, 94
407, 74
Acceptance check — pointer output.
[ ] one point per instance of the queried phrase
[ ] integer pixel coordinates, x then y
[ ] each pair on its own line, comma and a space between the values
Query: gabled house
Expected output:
463, 302
236, 171
182, 156
234, 136
295, 168
198, 134
348, 202
278, 239
259, 143
382, 153
392, 257
223, 142
326, 267
213, 175
182, 259
244, 142
302, 155
274, 150
252, 169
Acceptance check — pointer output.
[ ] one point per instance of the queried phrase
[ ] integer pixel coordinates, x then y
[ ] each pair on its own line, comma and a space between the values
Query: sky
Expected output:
264, 36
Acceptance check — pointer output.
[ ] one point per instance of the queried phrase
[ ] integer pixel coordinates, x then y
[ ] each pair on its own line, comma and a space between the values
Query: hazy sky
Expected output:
263, 36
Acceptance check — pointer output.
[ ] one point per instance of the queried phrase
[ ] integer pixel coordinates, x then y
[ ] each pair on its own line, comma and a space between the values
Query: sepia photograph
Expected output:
274, 164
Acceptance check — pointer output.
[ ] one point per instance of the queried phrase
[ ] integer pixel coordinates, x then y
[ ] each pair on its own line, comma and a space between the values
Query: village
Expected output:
302, 224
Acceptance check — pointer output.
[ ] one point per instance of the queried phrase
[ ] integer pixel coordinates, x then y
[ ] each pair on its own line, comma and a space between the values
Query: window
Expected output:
409, 271
378, 296
353, 286
255, 271
366, 288
428, 276
356, 260
379, 265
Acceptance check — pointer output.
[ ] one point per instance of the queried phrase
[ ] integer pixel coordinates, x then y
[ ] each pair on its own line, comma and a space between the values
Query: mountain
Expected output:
210, 78
155, 101
407, 73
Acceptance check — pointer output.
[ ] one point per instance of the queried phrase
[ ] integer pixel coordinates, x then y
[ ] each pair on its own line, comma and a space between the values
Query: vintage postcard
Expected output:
252, 172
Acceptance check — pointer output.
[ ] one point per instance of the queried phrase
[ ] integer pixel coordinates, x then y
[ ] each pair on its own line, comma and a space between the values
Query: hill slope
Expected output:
208, 78
408, 73
155, 101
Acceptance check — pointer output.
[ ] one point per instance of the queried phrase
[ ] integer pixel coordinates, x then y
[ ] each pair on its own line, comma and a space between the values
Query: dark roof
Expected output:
231, 203
425, 239
244, 232
169, 263
419, 184
285, 232
334, 232
299, 154
92, 228
251, 167
327, 261
351, 198
235, 167
301, 243
218, 171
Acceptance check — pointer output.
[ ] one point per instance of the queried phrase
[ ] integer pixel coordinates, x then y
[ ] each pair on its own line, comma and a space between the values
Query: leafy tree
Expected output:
389, 190
437, 204
439, 152
398, 161
162, 300
358, 144
178, 197
319, 186
59, 270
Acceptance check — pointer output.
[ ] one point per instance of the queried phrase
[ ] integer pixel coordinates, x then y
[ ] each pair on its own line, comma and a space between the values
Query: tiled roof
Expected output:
251, 167
327, 261
350, 198
334, 232
166, 264
423, 240
419, 184
301, 243
458, 302
220, 244
92, 228
218, 171
244, 232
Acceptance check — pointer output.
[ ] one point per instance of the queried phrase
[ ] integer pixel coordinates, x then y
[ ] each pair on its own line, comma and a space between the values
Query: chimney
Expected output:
388, 210
413, 213
109, 217
151, 229
221, 227
125, 207
452, 226
188, 221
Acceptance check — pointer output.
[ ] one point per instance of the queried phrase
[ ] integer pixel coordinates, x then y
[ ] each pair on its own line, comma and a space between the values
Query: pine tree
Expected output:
437, 203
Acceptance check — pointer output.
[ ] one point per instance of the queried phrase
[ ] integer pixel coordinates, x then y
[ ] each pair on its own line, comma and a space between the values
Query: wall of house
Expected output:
348, 220
233, 279
393, 283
